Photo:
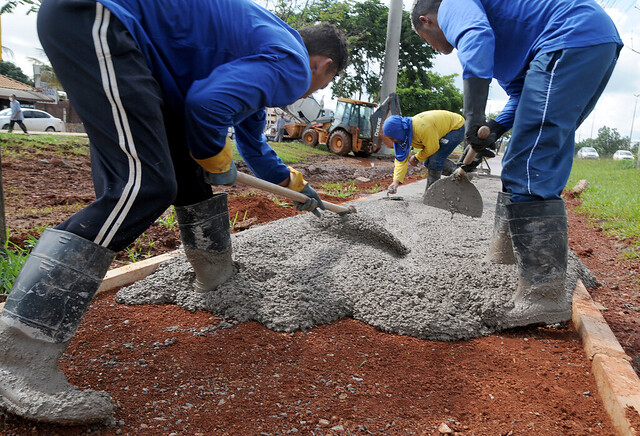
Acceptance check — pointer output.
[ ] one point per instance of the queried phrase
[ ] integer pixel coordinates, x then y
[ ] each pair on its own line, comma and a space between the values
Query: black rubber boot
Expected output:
500, 248
432, 177
449, 167
49, 299
206, 236
539, 233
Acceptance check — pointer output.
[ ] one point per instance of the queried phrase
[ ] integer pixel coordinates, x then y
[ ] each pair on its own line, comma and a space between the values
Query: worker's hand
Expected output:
393, 187
475, 141
413, 161
225, 178
220, 169
313, 203
298, 184
474, 163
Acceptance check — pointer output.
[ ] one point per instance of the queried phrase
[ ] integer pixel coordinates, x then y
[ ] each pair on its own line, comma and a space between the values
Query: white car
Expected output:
587, 153
35, 120
622, 155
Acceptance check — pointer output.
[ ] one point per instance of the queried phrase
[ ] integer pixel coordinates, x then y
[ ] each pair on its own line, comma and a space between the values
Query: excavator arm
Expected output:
390, 106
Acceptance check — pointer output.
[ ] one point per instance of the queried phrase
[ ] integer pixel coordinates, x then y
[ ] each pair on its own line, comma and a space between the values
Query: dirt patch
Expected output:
175, 372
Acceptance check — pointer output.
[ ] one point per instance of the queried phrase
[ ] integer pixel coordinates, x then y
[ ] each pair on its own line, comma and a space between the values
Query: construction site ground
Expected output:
171, 371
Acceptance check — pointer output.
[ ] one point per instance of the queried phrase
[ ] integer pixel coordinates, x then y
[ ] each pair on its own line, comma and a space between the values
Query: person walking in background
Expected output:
553, 58
17, 116
434, 133
280, 122
157, 85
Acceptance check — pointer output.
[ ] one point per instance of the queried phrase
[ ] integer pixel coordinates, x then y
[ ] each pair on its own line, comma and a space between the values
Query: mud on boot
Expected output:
206, 237
500, 247
539, 233
42, 313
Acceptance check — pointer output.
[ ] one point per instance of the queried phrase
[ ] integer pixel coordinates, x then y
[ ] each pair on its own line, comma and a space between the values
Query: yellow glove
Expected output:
220, 169
221, 162
296, 181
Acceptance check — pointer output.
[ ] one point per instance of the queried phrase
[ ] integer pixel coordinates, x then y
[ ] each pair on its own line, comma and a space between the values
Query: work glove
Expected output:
476, 91
220, 169
313, 203
226, 178
477, 160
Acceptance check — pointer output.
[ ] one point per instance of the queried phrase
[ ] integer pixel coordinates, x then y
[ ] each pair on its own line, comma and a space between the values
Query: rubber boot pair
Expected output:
41, 315
206, 237
538, 232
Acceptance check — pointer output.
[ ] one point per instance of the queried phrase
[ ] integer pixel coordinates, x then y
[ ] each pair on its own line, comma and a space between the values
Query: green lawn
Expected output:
612, 200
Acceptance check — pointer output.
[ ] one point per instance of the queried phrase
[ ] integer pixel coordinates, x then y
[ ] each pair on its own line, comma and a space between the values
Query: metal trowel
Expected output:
456, 193
389, 197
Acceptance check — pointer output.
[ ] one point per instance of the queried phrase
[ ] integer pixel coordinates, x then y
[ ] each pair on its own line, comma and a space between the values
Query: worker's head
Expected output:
424, 19
12, 97
400, 130
328, 53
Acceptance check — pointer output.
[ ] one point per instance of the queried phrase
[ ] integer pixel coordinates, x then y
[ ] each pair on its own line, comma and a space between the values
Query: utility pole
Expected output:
391, 55
635, 106
3, 227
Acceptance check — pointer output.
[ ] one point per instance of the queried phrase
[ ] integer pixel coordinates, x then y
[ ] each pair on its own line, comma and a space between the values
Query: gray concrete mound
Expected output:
303, 271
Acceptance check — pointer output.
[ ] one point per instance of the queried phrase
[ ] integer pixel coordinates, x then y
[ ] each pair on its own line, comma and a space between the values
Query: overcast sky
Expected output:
615, 108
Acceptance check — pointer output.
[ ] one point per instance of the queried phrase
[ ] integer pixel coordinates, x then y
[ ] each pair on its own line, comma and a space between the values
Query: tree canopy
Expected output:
10, 69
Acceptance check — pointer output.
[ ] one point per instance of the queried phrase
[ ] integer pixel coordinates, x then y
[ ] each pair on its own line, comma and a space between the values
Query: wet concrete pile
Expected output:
302, 271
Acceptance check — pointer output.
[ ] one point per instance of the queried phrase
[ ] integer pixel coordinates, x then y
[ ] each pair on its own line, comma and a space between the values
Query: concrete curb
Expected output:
618, 384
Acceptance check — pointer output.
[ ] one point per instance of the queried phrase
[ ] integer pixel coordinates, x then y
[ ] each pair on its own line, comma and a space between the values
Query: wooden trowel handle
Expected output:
255, 182
483, 133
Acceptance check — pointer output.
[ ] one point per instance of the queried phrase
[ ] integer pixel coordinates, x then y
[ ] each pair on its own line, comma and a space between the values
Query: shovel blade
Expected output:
455, 194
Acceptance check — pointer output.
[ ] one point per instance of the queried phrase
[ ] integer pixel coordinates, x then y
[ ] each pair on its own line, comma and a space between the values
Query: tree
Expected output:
10, 69
608, 141
9, 6
437, 92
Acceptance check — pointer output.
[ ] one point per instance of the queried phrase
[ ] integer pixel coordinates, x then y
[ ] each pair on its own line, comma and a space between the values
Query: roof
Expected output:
22, 91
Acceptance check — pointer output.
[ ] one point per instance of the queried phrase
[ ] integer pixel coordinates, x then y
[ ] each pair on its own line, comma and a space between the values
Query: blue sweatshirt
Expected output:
219, 64
499, 38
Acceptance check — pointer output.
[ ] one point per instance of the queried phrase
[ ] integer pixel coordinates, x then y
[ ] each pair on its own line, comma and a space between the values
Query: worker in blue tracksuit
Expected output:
157, 85
553, 58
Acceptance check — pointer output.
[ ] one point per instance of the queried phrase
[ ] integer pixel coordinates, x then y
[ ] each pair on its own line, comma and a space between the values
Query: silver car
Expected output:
35, 120
587, 153
623, 155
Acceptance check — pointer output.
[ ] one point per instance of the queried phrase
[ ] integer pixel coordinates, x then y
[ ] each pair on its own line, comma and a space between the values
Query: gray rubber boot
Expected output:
539, 233
42, 313
432, 177
206, 236
500, 248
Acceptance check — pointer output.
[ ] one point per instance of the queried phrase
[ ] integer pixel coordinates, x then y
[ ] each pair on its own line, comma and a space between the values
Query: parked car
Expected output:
35, 120
587, 153
622, 155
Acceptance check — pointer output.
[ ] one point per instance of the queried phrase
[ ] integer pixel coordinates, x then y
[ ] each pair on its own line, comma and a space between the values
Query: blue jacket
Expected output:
499, 38
219, 64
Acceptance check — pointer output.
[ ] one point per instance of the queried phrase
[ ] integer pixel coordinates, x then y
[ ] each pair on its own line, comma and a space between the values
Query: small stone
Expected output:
444, 429
323, 422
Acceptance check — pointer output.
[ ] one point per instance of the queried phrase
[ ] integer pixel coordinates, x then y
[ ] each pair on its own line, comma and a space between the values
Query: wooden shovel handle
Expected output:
255, 182
483, 133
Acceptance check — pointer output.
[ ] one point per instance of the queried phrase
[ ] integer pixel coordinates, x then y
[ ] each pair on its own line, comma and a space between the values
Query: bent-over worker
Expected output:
434, 133
553, 58
157, 85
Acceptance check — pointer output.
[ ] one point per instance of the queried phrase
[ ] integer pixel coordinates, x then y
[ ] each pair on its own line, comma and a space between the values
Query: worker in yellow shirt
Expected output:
435, 134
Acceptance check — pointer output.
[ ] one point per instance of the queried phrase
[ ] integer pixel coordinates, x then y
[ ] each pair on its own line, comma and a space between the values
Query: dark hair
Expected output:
325, 39
13, 95
421, 8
